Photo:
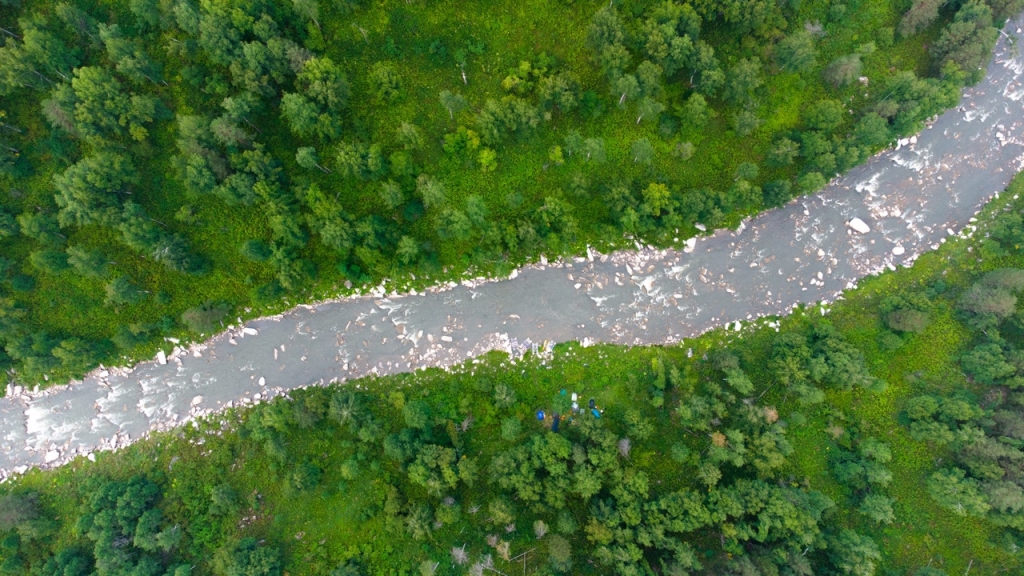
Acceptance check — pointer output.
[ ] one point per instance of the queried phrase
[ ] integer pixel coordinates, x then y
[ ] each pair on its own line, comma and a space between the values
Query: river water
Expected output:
907, 200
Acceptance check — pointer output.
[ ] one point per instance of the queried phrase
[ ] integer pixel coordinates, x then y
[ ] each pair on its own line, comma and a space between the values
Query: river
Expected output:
905, 201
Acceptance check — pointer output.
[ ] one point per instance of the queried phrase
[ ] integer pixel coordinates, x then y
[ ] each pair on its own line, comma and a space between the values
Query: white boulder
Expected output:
859, 226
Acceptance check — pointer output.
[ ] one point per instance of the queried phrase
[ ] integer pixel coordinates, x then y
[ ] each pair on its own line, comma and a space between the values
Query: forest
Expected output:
885, 437
166, 165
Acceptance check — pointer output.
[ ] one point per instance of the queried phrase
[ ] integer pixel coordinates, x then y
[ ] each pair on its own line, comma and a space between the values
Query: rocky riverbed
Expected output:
884, 214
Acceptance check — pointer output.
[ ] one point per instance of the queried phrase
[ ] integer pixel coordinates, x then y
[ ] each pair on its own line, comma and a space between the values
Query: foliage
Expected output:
310, 127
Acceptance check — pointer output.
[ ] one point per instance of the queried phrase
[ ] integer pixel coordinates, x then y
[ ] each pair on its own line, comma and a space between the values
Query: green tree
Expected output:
906, 312
743, 79
872, 130
952, 490
810, 182
88, 192
877, 508
300, 114
987, 364
41, 228
247, 558
431, 191
308, 9
1003, 9
796, 52
783, 152
853, 554
605, 29
434, 469
308, 158
657, 198
452, 102
559, 553
510, 428
129, 55
417, 414
453, 224
695, 112
777, 193
920, 15
120, 291
649, 108
488, 160
642, 151
408, 250
825, 115
968, 40
409, 136
49, 261
8, 225
321, 95
843, 70
745, 122
561, 90
593, 150
391, 194
626, 87
746, 171
102, 108
360, 161
385, 82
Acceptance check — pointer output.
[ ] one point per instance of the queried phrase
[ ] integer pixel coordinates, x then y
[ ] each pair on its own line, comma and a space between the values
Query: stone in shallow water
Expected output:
859, 225
898, 250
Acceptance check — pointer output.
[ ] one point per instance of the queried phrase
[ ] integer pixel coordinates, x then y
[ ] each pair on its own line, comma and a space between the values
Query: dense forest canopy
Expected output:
166, 162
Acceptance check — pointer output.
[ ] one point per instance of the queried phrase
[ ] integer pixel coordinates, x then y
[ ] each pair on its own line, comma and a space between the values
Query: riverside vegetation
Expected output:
168, 164
886, 437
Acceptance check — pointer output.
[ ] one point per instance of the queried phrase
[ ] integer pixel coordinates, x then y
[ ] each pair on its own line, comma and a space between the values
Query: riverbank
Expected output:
909, 200
332, 477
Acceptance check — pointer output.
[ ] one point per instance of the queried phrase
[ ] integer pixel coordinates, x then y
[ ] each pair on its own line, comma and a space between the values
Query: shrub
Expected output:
204, 318
878, 508
843, 70
49, 261
559, 553
120, 291
247, 558
906, 312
